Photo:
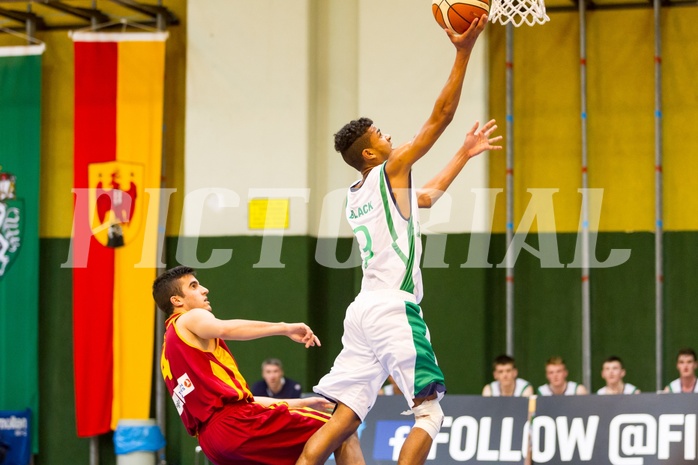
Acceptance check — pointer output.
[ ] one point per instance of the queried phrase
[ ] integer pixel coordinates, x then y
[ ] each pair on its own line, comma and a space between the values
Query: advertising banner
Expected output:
15, 437
475, 430
643, 429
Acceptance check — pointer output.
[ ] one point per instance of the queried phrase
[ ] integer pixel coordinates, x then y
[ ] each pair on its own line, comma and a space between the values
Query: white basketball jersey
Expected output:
675, 386
390, 245
519, 387
570, 389
627, 389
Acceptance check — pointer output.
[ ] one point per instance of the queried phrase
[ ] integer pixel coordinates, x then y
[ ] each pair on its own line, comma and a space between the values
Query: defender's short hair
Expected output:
167, 285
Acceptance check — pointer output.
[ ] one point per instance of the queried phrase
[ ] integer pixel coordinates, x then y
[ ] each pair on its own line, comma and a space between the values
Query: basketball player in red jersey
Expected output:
213, 398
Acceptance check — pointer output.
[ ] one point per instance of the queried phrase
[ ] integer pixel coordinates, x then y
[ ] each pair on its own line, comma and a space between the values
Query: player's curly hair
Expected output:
351, 141
167, 284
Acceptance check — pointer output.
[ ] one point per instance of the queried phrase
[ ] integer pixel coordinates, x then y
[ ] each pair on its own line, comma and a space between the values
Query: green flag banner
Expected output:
20, 120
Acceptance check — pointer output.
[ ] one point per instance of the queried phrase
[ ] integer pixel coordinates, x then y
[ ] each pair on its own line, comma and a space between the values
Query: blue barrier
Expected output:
137, 436
15, 437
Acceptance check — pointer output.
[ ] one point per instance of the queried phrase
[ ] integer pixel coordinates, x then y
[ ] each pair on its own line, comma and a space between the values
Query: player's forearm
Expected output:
434, 188
245, 330
447, 101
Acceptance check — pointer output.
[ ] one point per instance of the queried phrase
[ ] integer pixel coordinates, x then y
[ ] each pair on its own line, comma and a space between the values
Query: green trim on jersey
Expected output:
385, 197
426, 371
407, 281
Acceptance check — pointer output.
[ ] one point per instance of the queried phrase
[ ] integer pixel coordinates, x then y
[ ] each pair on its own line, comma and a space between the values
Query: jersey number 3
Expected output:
366, 252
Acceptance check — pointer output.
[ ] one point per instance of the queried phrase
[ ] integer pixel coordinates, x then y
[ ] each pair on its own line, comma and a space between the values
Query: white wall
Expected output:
404, 62
247, 106
263, 103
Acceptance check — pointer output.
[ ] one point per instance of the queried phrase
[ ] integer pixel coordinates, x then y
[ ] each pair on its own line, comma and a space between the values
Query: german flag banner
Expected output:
119, 81
20, 124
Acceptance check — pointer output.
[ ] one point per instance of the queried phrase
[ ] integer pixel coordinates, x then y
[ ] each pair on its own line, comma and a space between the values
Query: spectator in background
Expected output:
613, 372
506, 381
686, 364
274, 384
556, 374
390, 388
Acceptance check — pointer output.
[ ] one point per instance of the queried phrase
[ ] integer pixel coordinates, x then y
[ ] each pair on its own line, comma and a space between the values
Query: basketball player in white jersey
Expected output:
687, 365
556, 374
506, 380
613, 372
384, 333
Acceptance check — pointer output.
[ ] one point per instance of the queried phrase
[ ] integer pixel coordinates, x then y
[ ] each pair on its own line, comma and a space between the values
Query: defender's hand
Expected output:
300, 332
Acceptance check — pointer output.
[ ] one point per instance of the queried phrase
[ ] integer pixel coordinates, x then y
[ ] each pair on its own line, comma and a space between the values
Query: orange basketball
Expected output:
457, 15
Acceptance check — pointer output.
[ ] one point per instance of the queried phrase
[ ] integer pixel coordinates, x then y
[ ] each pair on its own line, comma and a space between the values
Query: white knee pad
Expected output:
429, 416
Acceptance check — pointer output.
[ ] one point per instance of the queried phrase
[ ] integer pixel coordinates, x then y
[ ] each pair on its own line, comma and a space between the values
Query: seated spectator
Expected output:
506, 381
556, 374
686, 364
613, 372
274, 384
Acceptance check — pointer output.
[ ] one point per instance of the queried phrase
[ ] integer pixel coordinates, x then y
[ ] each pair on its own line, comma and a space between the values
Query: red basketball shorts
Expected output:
248, 433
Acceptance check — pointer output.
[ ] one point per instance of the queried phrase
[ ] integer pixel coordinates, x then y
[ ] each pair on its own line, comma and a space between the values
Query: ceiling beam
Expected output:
91, 15
24, 17
154, 11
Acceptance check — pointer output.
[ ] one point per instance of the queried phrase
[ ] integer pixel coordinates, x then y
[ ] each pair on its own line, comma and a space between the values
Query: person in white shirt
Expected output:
556, 374
613, 372
506, 381
687, 365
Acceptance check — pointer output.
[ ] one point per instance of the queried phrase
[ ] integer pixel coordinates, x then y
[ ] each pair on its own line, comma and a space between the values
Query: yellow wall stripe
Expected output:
620, 90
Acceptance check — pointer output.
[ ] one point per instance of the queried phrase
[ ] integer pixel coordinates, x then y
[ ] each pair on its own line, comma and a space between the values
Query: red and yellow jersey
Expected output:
200, 382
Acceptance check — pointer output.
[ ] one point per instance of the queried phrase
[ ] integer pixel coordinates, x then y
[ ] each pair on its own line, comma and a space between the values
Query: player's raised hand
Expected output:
466, 41
479, 140
300, 332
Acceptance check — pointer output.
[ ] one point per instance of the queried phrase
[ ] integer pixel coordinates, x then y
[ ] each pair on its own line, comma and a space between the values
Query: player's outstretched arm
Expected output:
402, 158
204, 325
476, 142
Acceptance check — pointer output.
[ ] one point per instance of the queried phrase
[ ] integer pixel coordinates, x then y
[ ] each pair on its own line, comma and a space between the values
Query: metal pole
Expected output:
160, 391
94, 450
30, 25
94, 440
509, 142
658, 188
586, 305
160, 19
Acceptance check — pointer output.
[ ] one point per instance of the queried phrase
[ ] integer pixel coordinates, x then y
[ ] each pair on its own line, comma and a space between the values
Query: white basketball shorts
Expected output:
384, 334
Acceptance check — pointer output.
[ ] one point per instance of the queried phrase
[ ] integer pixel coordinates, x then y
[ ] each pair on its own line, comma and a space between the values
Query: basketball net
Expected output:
517, 12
